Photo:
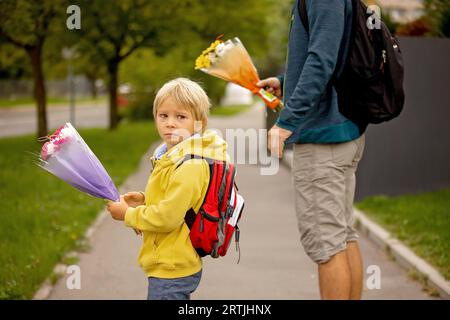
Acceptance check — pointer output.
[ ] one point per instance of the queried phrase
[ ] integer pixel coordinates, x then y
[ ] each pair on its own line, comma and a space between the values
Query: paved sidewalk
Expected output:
272, 266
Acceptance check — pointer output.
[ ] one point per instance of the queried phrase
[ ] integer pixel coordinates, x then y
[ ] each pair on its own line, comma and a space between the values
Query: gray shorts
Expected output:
324, 183
173, 289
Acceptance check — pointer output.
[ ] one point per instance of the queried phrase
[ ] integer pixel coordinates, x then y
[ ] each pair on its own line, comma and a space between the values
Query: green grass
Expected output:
228, 110
29, 102
421, 221
42, 217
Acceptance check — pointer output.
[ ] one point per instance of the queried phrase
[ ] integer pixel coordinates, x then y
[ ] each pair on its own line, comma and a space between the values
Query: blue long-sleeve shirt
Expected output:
311, 106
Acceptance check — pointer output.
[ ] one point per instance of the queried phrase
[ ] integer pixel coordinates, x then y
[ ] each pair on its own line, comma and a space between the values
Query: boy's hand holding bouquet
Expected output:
117, 209
134, 199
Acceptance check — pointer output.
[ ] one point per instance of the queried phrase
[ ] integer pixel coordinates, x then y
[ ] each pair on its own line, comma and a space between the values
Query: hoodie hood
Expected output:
207, 145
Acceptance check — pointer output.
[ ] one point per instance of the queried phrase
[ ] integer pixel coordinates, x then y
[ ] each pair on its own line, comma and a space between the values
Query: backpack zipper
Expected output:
383, 62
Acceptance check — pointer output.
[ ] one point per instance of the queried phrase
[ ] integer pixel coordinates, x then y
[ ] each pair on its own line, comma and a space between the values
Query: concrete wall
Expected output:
412, 153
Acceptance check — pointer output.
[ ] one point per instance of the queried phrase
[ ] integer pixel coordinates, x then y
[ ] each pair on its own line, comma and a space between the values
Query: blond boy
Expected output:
171, 264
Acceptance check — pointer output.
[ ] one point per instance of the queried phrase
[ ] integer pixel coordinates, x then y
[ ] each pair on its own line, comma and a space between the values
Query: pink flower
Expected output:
56, 133
57, 139
44, 151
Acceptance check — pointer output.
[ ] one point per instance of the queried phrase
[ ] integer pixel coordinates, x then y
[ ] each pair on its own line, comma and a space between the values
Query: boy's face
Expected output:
174, 122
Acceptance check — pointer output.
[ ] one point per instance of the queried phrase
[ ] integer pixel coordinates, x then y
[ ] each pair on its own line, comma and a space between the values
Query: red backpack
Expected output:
215, 223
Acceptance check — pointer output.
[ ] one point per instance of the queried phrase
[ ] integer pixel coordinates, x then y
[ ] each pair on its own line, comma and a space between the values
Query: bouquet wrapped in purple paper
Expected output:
69, 158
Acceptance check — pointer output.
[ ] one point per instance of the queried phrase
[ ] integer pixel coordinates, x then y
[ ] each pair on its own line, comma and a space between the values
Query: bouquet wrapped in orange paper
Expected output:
230, 61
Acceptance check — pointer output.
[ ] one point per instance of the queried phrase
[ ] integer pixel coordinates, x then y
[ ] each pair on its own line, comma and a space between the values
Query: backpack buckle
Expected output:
229, 211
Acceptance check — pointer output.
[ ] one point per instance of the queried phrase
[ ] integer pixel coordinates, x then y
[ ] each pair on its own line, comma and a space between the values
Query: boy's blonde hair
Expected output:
187, 93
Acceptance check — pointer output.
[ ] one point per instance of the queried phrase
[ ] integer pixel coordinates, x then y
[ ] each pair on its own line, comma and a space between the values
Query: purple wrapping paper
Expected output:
69, 158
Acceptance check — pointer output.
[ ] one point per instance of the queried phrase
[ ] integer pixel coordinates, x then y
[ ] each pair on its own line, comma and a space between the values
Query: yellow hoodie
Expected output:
167, 250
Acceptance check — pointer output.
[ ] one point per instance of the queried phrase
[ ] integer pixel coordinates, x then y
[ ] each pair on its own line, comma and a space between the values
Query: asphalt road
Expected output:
17, 121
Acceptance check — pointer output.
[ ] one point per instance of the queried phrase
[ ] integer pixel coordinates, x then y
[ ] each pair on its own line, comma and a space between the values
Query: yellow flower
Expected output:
203, 60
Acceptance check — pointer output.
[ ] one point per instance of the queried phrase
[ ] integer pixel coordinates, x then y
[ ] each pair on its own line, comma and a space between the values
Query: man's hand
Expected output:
134, 199
117, 209
271, 85
275, 140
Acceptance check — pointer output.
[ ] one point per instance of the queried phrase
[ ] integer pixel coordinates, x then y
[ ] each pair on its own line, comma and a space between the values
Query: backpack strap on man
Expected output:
303, 14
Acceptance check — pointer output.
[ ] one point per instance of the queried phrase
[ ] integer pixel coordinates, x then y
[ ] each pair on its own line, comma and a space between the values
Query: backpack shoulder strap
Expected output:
193, 156
303, 14
190, 216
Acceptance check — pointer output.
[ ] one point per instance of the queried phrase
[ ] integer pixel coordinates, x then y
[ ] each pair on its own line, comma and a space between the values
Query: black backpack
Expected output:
370, 86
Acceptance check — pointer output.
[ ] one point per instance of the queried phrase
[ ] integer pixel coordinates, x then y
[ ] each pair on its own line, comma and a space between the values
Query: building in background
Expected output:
402, 11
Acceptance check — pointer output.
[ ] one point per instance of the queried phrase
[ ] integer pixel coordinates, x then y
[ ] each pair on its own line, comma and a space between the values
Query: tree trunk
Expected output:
92, 87
35, 54
113, 69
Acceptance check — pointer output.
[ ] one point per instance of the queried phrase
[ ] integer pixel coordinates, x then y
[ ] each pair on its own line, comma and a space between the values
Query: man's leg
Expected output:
356, 269
335, 278
322, 212
353, 253
319, 183
342, 276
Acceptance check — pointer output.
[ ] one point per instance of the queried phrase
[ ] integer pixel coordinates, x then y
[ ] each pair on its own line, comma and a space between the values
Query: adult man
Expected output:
327, 146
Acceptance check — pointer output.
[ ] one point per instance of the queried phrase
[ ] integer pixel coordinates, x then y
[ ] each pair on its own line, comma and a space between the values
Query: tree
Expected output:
26, 24
117, 32
262, 25
417, 28
13, 62
390, 24
277, 21
187, 26
445, 23
439, 13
